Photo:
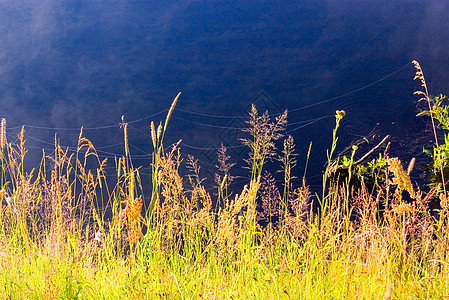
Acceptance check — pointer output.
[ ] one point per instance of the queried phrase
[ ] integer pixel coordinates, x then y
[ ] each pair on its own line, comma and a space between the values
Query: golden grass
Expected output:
56, 242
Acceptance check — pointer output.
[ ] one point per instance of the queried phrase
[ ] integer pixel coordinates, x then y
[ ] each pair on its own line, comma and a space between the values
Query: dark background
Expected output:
67, 64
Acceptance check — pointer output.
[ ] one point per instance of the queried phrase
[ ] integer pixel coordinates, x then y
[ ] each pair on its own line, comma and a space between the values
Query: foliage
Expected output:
440, 115
64, 234
440, 154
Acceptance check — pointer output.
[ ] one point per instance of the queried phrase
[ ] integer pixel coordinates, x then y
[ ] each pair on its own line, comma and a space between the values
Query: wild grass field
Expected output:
370, 234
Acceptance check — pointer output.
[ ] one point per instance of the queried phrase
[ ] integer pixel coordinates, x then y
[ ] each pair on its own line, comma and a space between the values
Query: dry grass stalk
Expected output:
170, 111
169, 210
51, 289
226, 232
3, 133
133, 212
401, 177
264, 133
365, 206
425, 96
444, 203
200, 216
171, 181
269, 196
223, 178
300, 203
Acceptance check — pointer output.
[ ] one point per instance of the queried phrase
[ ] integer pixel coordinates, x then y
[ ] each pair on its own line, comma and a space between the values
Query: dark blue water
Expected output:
66, 64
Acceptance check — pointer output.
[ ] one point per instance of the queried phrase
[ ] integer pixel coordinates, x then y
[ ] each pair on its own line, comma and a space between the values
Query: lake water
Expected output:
67, 64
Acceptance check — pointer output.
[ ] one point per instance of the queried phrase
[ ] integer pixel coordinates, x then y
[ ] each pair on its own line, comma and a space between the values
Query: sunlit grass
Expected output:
66, 234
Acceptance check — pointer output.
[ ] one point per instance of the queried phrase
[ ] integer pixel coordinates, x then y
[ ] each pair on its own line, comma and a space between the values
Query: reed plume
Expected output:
419, 75
226, 232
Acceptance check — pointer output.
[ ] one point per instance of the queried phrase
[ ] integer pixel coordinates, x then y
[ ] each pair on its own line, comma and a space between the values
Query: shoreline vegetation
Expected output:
370, 234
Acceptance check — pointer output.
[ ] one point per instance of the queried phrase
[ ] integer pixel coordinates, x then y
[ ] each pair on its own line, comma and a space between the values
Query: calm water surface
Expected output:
67, 64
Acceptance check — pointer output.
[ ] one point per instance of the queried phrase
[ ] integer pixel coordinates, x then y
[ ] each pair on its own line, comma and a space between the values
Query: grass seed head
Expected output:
400, 178
3, 133
403, 207
153, 134
444, 203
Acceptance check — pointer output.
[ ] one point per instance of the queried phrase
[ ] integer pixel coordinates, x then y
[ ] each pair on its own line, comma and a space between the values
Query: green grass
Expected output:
378, 243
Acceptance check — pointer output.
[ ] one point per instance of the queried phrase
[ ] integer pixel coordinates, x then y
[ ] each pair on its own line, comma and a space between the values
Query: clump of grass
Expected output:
56, 240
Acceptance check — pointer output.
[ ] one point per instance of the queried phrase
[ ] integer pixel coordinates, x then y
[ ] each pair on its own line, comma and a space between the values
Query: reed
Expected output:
425, 97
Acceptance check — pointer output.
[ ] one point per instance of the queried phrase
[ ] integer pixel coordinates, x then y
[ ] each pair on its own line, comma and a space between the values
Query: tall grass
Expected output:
66, 234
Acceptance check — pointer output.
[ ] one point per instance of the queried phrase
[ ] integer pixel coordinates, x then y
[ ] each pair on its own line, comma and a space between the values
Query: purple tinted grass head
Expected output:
269, 198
